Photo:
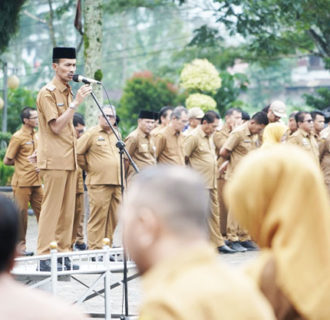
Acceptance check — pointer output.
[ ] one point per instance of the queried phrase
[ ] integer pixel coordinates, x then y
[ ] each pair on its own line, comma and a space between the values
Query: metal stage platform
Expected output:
102, 263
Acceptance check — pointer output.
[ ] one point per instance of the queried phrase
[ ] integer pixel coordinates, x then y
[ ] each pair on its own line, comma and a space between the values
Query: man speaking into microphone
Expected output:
56, 156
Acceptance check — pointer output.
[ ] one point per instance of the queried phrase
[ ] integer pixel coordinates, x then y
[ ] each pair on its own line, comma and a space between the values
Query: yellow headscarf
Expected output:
279, 196
273, 134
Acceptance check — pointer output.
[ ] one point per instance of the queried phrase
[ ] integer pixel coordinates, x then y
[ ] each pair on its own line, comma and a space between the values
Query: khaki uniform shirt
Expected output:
22, 144
99, 157
141, 148
286, 135
194, 285
55, 151
325, 154
306, 141
240, 142
200, 150
155, 131
169, 147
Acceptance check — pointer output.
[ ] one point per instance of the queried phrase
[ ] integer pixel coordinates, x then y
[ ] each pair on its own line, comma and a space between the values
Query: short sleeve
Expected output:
13, 148
47, 106
189, 145
232, 142
160, 144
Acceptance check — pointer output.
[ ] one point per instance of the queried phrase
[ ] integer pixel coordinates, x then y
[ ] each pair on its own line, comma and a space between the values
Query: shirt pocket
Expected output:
143, 147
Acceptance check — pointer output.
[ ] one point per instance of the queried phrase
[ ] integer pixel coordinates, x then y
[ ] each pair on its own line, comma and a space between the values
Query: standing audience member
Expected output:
56, 156
99, 157
78, 241
318, 124
275, 111
199, 152
304, 137
169, 141
140, 144
25, 182
324, 148
273, 133
240, 142
286, 202
233, 119
164, 118
166, 235
293, 127
195, 116
16, 300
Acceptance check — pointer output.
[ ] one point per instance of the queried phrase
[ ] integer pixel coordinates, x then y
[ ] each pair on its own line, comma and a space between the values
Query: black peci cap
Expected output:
64, 53
146, 114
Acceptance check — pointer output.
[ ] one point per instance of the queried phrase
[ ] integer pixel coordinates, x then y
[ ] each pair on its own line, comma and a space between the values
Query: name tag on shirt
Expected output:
60, 104
100, 138
29, 142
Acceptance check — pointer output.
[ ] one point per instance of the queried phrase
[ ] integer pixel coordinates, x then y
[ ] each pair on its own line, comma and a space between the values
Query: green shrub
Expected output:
6, 173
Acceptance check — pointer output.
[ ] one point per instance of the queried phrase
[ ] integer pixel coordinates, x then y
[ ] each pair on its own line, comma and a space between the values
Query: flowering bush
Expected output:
200, 75
202, 101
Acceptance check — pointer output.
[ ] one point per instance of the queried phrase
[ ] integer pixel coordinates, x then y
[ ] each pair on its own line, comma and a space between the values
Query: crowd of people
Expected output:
233, 198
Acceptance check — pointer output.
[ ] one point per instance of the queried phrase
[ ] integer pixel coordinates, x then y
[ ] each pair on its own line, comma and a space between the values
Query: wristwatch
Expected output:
72, 105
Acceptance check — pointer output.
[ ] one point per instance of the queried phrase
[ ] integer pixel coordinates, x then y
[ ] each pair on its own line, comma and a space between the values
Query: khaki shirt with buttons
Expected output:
141, 148
200, 151
306, 141
219, 138
325, 154
55, 151
240, 142
99, 157
169, 147
22, 145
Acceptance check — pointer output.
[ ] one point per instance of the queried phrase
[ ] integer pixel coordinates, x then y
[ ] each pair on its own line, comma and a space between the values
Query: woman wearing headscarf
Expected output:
273, 134
279, 196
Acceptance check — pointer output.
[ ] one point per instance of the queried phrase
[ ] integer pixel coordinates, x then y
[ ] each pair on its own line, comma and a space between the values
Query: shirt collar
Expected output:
60, 85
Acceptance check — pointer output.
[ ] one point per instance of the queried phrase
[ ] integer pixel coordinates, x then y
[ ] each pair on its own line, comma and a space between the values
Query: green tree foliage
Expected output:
17, 100
144, 91
275, 28
320, 100
6, 173
9, 11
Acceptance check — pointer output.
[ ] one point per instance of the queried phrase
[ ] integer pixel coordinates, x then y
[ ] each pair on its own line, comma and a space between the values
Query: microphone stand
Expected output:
121, 147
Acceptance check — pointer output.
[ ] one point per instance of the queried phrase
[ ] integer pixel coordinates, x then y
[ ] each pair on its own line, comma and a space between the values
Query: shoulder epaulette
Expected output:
50, 87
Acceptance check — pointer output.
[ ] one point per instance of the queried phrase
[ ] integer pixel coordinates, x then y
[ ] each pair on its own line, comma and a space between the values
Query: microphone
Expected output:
79, 78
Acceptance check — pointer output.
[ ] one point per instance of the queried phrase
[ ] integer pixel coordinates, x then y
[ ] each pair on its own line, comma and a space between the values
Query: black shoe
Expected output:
100, 258
27, 253
45, 265
225, 249
80, 246
235, 245
249, 245
67, 263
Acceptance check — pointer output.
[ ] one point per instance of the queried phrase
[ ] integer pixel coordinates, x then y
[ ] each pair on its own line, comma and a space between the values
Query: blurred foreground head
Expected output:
279, 196
164, 207
9, 224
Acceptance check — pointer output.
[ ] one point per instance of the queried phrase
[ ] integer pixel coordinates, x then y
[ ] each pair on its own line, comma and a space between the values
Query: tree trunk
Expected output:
93, 54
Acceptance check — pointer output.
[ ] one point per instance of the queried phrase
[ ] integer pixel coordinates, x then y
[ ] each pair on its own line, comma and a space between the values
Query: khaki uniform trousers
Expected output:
214, 220
234, 231
104, 201
222, 207
78, 221
23, 196
57, 209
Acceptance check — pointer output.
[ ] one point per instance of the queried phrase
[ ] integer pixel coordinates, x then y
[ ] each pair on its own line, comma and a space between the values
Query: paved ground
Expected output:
71, 290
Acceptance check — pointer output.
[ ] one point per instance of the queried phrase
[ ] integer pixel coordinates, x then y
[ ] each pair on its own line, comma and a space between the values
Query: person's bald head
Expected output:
163, 203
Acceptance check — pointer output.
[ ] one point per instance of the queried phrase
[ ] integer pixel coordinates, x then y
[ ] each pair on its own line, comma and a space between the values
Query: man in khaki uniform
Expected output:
16, 300
56, 155
233, 119
292, 127
240, 142
195, 116
78, 241
318, 124
325, 156
166, 234
99, 157
164, 118
304, 137
169, 141
26, 182
276, 111
140, 144
199, 152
